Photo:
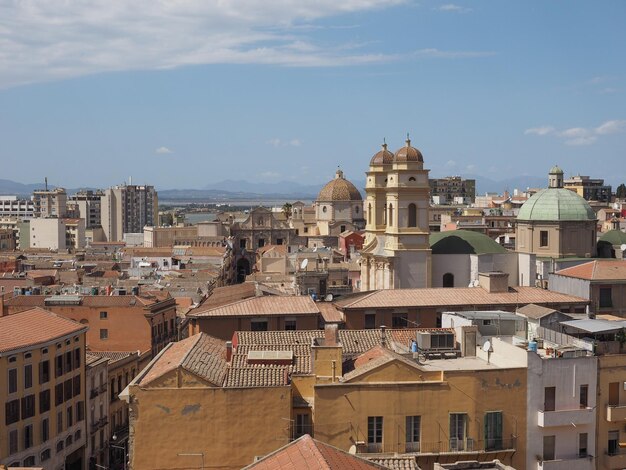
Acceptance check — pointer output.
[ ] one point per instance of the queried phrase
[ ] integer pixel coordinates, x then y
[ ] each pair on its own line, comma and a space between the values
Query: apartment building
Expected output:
42, 358
128, 209
12, 206
592, 189
359, 391
97, 410
87, 205
49, 202
116, 323
452, 190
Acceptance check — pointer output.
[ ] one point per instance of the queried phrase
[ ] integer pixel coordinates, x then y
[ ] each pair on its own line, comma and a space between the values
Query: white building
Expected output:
11, 206
48, 233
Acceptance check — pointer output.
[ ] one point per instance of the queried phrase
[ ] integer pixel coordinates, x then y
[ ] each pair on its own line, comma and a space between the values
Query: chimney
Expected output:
331, 334
383, 336
494, 282
229, 350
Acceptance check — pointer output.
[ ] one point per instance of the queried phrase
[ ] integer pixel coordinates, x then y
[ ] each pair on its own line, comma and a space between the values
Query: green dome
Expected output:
555, 204
614, 237
556, 170
463, 242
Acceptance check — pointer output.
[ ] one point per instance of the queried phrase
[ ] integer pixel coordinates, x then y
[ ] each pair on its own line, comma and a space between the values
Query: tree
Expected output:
287, 209
621, 191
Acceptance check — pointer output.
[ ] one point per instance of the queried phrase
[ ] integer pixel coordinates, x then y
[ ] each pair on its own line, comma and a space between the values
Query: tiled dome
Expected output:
555, 204
339, 189
383, 157
408, 154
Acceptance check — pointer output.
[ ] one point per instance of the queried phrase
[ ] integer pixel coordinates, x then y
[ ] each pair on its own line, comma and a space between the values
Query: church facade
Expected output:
396, 253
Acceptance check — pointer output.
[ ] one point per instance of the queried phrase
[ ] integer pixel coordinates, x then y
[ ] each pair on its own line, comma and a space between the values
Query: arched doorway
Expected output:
448, 280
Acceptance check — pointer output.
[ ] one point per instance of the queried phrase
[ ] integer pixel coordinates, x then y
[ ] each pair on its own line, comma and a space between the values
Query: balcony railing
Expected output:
574, 462
576, 417
616, 413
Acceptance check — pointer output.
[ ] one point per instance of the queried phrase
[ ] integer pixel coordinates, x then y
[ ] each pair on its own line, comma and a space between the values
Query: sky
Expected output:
182, 94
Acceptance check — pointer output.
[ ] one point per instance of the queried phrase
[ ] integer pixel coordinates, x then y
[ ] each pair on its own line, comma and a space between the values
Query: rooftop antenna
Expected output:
46, 179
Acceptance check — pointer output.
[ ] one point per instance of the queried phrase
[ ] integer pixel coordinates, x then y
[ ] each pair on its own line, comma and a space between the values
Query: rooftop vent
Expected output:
270, 357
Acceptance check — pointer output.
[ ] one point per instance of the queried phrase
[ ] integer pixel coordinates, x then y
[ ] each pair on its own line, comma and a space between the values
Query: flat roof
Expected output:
487, 315
595, 325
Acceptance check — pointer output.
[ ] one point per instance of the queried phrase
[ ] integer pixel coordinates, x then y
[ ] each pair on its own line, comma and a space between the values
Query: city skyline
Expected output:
289, 91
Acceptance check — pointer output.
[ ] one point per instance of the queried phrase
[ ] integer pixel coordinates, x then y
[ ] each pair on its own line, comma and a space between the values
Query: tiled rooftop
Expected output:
306, 453
95, 301
597, 270
113, 356
460, 296
34, 326
263, 306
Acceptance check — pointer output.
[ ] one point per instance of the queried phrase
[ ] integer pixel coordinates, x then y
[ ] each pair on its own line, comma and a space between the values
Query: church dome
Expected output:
408, 154
463, 242
383, 157
556, 204
339, 189
556, 170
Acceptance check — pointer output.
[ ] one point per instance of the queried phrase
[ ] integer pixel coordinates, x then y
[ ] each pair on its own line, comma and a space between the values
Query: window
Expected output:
104, 333
77, 358
548, 447
412, 215
103, 315
258, 324
67, 392
29, 461
549, 399
28, 376
493, 430
303, 425
413, 433
613, 444
458, 431
369, 213
12, 380
59, 446
80, 411
59, 422
242, 243
28, 436
45, 429
76, 386
390, 215
543, 238
58, 370
69, 441
290, 324
374, 434
44, 401
68, 362
582, 444
324, 209
614, 393
605, 297
44, 372
28, 406
584, 396
12, 412
45, 455
13, 445
70, 416
399, 320
370, 321
261, 242
112, 389
342, 228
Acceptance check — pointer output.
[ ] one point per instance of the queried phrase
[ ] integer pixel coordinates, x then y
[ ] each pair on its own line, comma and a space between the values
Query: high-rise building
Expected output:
589, 188
128, 209
452, 190
50, 202
396, 253
87, 205
11, 206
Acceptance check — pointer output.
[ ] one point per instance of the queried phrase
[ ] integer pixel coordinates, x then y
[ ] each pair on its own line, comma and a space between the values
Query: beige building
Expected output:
556, 223
128, 209
50, 202
49, 233
396, 253
97, 410
338, 207
42, 365
87, 205
589, 188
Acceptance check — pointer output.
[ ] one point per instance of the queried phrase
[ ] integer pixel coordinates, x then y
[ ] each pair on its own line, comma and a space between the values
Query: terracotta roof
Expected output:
34, 326
227, 294
339, 189
374, 358
86, 301
263, 306
113, 356
93, 358
535, 311
200, 354
329, 312
34, 273
597, 270
306, 453
257, 376
408, 154
382, 157
396, 463
459, 296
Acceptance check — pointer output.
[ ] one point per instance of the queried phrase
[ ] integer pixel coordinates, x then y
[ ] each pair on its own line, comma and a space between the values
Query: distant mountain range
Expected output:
287, 190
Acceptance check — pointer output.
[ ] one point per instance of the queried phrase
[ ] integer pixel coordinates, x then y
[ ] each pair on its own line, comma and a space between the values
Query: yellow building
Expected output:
360, 391
611, 412
42, 358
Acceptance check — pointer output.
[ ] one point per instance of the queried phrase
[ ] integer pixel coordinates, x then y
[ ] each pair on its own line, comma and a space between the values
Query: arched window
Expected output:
390, 215
412, 215
448, 280
384, 210
369, 214
412, 178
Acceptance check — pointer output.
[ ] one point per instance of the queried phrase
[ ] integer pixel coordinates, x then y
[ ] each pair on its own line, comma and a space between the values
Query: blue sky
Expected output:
182, 94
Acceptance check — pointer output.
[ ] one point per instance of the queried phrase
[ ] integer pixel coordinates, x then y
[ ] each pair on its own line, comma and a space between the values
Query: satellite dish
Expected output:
623, 247
329, 298
487, 346
304, 264
352, 450
314, 249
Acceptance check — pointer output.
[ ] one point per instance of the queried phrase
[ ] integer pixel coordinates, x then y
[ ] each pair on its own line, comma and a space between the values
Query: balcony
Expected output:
567, 463
616, 413
468, 446
576, 417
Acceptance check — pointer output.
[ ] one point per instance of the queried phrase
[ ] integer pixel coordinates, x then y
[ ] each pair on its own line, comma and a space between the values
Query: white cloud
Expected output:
577, 136
163, 150
276, 142
452, 8
47, 39
439, 54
